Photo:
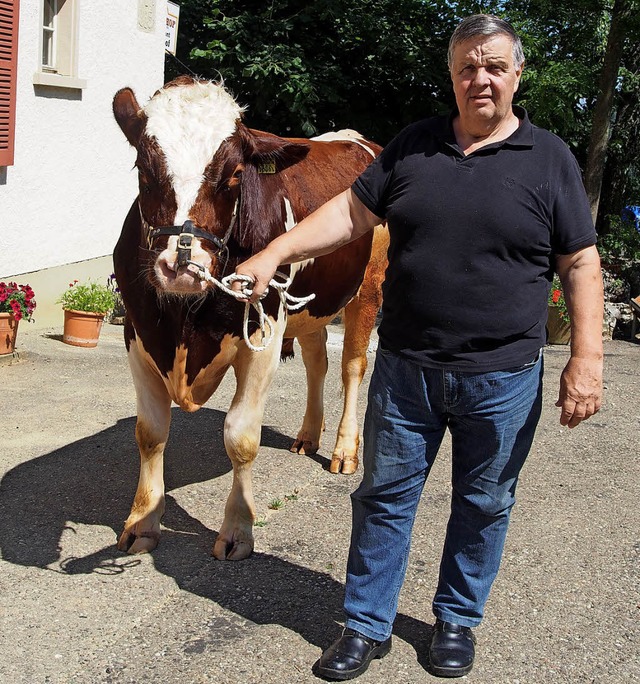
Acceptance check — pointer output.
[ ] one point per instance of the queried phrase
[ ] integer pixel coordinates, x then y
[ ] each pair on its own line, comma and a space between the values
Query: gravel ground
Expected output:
565, 607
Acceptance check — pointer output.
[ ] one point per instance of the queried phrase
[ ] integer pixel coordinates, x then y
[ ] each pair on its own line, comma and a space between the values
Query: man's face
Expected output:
484, 79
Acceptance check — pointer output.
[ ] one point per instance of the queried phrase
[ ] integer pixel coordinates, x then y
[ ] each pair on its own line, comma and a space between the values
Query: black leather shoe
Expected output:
452, 650
349, 656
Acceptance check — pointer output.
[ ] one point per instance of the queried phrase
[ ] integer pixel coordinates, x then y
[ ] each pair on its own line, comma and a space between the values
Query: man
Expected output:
482, 207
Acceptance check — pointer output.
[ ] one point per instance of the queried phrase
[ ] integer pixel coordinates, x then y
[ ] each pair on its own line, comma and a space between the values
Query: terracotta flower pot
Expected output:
559, 330
8, 333
82, 328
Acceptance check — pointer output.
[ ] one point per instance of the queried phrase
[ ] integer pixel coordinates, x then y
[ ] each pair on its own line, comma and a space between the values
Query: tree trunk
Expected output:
600, 127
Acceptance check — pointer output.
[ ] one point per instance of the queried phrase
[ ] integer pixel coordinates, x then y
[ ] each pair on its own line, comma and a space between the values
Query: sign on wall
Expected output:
171, 31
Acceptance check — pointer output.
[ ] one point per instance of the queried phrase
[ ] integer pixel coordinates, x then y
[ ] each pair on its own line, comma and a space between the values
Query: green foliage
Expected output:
89, 296
621, 243
622, 170
563, 42
376, 65
260, 521
304, 68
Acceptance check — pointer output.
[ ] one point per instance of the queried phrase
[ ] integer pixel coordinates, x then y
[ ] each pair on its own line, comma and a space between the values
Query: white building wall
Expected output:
66, 196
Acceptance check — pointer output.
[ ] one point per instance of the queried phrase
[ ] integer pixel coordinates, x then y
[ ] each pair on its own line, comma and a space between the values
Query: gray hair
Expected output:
486, 25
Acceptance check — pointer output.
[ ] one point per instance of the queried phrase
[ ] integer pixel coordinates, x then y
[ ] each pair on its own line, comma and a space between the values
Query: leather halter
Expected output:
187, 231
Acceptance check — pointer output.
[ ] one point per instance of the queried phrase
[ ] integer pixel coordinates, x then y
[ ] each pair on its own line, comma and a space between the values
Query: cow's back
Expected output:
331, 167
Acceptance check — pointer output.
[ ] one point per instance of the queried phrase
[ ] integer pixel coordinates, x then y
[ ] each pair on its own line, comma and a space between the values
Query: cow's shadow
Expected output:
93, 481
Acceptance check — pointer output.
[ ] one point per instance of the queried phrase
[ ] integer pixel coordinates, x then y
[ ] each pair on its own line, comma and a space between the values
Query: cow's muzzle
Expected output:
187, 231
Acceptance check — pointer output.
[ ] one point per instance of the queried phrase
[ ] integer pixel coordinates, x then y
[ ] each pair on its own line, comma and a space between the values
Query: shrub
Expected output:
89, 296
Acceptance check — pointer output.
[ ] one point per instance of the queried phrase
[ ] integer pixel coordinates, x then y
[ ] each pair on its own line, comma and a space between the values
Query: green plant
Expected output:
260, 521
89, 296
621, 243
17, 300
556, 298
276, 504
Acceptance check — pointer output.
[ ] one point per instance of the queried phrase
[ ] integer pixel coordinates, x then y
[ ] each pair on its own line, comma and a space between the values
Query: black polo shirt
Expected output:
472, 241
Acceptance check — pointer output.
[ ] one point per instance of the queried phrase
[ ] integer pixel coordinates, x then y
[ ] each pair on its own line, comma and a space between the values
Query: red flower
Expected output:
17, 300
556, 296
17, 311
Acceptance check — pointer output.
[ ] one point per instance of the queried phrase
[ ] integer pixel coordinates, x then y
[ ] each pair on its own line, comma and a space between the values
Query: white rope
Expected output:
289, 302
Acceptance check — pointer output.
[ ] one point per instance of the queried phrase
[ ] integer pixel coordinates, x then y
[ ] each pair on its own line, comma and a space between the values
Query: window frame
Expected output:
52, 30
63, 73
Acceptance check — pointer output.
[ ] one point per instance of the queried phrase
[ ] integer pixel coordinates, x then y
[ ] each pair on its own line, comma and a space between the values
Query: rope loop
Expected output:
289, 302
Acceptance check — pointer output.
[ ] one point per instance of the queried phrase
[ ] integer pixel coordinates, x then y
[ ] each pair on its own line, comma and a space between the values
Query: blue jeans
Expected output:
492, 418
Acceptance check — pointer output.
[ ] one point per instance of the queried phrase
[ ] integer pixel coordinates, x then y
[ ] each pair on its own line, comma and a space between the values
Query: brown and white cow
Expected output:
230, 190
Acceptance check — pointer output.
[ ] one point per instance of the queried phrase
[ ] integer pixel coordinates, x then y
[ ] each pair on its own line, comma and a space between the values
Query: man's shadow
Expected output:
93, 481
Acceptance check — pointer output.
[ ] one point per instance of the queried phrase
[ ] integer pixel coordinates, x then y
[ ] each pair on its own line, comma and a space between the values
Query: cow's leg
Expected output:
142, 528
359, 319
254, 372
314, 355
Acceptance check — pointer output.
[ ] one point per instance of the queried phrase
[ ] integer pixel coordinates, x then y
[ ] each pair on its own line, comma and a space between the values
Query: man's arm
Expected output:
581, 382
337, 222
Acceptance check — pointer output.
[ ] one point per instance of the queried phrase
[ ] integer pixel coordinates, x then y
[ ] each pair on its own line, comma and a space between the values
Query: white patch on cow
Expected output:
290, 222
345, 134
189, 123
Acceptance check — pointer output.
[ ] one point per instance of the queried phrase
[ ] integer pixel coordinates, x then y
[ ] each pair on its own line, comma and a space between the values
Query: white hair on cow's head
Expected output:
189, 122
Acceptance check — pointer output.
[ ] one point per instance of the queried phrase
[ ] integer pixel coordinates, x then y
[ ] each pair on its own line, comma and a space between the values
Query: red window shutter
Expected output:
8, 72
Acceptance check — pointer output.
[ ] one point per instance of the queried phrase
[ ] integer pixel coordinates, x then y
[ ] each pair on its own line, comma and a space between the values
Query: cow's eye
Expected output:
236, 177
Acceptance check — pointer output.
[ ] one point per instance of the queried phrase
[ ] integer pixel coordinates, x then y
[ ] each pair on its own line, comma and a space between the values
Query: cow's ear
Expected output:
271, 152
129, 115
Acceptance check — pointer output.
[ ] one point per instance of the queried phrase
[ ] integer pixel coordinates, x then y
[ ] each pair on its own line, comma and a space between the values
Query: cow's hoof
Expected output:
346, 466
138, 543
304, 447
223, 549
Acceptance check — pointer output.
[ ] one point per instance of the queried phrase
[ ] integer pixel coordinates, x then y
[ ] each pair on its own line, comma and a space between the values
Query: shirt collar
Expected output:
521, 137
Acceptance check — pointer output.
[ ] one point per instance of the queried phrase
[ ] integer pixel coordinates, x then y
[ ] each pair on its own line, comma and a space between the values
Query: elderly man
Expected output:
482, 206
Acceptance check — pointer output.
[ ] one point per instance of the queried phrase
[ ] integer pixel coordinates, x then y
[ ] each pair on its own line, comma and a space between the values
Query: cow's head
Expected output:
201, 174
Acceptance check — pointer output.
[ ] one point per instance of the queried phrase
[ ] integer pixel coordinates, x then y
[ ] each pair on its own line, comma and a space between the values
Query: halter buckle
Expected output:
185, 242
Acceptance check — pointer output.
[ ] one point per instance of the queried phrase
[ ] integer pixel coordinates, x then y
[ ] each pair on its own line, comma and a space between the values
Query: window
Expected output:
49, 34
59, 42
8, 72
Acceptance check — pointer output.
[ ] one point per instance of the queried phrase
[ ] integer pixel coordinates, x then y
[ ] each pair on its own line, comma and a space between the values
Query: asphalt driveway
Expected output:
565, 608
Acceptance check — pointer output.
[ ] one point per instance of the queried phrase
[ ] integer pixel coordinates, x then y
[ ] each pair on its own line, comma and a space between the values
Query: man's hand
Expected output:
261, 269
580, 390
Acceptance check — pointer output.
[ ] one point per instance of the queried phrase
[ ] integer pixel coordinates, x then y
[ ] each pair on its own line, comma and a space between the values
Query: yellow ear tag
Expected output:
267, 167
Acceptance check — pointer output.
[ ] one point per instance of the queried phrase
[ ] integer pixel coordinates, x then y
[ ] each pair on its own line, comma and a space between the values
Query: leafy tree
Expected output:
303, 68
376, 65
605, 102
621, 177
